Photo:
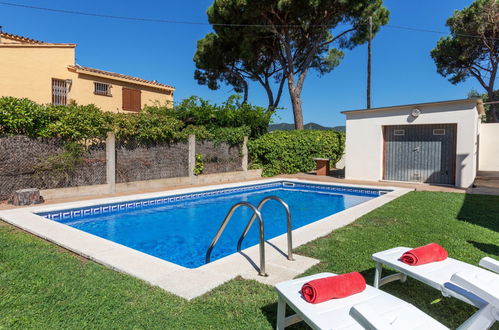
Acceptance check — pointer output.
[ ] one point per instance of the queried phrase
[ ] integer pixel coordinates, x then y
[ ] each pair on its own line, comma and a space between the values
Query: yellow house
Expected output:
46, 73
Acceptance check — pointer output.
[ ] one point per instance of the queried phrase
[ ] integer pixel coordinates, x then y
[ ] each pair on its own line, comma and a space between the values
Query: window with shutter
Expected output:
131, 99
59, 92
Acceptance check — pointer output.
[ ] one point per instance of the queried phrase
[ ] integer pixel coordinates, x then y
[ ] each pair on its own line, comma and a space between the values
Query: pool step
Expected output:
280, 269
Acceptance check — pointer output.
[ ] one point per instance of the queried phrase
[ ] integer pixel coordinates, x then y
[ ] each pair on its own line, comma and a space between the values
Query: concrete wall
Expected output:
27, 71
364, 138
489, 147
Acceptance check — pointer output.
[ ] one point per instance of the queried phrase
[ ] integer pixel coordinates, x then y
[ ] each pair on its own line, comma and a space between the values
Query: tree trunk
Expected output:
297, 110
270, 97
245, 93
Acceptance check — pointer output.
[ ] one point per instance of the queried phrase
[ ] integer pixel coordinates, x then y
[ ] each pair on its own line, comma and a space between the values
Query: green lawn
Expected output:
42, 286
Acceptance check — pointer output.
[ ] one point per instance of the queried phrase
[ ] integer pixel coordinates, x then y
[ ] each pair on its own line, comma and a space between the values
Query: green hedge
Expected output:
228, 122
282, 152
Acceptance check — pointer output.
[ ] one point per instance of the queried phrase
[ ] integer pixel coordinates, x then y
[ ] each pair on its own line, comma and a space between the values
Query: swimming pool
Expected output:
179, 228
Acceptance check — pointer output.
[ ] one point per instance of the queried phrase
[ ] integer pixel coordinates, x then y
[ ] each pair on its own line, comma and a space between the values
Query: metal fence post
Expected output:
245, 154
111, 162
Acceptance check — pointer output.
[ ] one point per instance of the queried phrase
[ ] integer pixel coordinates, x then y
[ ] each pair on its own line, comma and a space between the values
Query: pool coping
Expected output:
185, 282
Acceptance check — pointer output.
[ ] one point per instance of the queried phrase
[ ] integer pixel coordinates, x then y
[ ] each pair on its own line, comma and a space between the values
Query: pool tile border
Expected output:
135, 204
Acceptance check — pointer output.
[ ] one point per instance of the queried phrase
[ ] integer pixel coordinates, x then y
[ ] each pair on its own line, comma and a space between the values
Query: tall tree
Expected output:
308, 30
236, 54
472, 49
305, 32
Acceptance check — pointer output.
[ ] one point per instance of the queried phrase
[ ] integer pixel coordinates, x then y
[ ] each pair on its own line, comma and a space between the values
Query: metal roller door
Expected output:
420, 153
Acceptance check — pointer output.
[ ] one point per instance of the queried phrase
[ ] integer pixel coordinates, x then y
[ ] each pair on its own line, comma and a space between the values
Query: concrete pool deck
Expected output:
181, 281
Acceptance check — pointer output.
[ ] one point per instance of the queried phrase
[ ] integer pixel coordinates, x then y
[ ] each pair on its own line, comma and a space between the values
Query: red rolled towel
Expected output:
333, 287
424, 255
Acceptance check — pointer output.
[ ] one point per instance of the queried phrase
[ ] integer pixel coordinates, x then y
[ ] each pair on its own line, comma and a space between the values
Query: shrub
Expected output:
231, 135
69, 123
196, 111
21, 117
75, 122
145, 127
292, 151
84, 123
199, 165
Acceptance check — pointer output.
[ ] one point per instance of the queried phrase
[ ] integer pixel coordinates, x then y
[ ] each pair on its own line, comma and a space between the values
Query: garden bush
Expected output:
71, 123
289, 152
230, 114
228, 122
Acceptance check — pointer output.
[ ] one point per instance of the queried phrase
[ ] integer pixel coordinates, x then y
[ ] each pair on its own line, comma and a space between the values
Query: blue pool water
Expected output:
179, 229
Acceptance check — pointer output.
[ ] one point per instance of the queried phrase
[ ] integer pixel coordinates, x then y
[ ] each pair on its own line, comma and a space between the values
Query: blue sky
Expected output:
403, 71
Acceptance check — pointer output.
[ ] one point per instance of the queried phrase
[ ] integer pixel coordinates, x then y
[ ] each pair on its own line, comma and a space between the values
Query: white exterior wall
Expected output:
364, 138
489, 147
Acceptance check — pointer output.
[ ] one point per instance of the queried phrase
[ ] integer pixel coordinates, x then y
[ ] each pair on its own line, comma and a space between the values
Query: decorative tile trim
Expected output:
338, 189
108, 208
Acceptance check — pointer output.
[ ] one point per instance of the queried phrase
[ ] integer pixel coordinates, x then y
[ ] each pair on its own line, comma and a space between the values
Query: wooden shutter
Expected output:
131, 99
136, 102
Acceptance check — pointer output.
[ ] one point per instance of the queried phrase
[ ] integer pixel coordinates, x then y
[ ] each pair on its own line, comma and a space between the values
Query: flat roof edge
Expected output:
478, 102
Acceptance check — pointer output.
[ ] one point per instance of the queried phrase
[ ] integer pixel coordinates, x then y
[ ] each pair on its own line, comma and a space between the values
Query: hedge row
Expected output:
228, 122
292, 151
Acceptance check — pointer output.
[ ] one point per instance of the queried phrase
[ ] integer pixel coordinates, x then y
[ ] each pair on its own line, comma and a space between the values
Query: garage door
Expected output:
420, 153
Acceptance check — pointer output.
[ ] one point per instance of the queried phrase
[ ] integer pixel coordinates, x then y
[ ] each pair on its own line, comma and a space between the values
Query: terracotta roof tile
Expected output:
25, 40
16, 37
122, 76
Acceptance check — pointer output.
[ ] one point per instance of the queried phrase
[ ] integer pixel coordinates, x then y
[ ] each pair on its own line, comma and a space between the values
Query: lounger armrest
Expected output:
490, 264
367, 318
482, 288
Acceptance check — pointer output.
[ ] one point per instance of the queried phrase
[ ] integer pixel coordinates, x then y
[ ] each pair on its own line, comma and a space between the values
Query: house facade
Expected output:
47, 73
434, 143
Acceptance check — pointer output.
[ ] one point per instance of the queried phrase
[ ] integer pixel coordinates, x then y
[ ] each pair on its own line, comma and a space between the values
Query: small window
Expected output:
102, 89
59, 92
439, 131
399, 132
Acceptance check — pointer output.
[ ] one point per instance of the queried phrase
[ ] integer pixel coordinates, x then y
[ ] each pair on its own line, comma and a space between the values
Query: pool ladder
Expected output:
256, 215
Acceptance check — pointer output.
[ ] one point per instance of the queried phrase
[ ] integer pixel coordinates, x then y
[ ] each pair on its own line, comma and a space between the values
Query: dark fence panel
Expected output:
148, 162
42, 163
219, 158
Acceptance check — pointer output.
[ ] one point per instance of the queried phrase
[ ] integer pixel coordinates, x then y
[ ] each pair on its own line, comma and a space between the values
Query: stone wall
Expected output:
37, 163
219, 158
159, 161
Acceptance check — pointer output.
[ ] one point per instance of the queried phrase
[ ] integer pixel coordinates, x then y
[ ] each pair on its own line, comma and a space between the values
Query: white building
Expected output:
433, 142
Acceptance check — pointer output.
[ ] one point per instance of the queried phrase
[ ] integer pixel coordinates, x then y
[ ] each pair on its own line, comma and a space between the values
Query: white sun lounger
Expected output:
490, 263
437, 274
487, 288
369, 309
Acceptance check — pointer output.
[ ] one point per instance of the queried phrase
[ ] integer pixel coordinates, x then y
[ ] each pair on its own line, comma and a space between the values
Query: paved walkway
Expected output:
486, 184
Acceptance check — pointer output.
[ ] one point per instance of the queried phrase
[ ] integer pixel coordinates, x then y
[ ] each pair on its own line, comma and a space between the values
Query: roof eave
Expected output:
478, 101
130, 81
45, 45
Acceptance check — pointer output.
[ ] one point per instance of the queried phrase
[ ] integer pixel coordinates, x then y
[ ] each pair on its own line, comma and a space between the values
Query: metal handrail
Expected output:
256, 213
288, 220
